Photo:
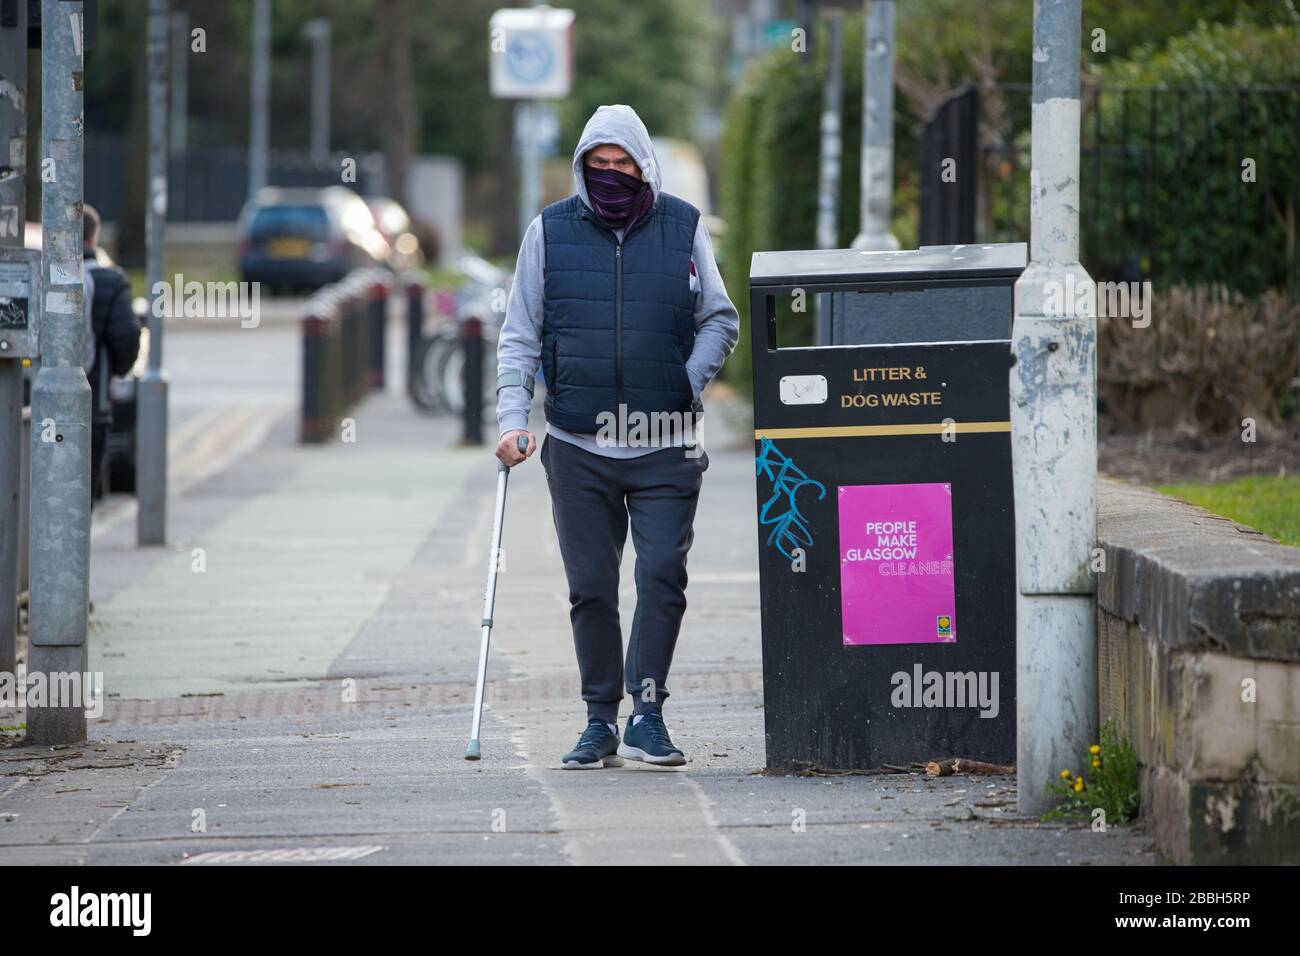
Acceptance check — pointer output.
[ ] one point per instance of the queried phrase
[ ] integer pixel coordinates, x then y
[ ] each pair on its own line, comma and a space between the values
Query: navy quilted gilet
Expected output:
619, 320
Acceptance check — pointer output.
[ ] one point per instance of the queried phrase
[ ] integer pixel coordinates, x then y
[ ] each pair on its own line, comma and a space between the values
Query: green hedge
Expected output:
1205, 225
770, 155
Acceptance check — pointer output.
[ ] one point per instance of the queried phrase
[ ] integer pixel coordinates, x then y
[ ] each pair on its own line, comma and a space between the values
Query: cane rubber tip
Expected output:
472, 751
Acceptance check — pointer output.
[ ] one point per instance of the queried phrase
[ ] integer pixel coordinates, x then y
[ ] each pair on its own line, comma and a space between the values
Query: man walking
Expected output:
618, 298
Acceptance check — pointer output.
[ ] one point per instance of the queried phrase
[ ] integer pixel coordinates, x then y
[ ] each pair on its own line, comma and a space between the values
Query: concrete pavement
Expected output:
306, 695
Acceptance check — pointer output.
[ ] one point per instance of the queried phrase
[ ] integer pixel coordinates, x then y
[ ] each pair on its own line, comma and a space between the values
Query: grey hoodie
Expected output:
519, 346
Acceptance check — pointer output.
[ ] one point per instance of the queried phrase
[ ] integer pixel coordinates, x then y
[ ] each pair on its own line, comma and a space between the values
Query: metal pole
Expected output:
530, 163
828, 180
1054, 434
179, 98
11, 438
530, 179
259, 131
180, 82
828, 176
13, 219
318, 31
877, 129
60, 524
151, 463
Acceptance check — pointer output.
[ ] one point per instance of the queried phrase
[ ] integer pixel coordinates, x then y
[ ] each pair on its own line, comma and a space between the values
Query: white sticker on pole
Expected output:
531, 53
65, 273
803, 389
61, 303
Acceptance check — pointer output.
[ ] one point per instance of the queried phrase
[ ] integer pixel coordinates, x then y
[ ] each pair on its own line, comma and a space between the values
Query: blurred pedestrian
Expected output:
617, 296
112, 341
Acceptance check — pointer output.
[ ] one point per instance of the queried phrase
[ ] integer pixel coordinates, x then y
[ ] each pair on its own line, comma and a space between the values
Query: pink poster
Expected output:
896, 567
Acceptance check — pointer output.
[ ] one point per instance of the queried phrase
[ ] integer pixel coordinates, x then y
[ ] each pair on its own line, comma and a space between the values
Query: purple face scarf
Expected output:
617, 199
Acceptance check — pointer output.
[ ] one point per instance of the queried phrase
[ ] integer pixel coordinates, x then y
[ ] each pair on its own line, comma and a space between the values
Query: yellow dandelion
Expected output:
1065, 775
1078, 785
1096, 765
1094, 749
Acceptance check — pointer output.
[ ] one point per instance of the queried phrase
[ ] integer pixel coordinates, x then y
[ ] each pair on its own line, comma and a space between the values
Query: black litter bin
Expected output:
885, 522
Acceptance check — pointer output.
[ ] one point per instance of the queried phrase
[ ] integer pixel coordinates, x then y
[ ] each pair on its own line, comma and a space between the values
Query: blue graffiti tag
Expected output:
788, 528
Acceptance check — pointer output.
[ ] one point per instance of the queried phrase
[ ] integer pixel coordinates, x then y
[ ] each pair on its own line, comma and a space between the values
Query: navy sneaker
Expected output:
596, 747
647, 740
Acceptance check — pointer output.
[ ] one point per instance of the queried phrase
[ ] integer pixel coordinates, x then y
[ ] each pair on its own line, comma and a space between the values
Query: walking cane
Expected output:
489, 599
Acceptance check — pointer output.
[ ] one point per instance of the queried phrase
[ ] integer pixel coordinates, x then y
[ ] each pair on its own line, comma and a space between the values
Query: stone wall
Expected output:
1199, 665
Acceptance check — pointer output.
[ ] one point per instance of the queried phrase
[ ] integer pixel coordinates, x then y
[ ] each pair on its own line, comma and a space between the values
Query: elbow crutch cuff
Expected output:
511, 378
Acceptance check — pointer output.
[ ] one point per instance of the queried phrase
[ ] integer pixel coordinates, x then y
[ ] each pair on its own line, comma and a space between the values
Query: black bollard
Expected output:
414, 331
378, 321
471, 342
315, 422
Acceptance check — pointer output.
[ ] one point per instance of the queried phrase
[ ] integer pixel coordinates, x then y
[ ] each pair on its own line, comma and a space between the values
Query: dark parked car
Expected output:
302, 239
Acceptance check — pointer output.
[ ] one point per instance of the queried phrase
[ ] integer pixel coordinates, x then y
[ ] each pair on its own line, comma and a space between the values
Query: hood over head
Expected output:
620, 126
